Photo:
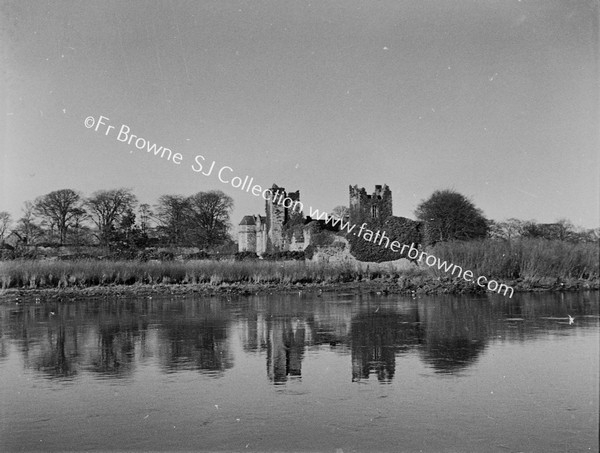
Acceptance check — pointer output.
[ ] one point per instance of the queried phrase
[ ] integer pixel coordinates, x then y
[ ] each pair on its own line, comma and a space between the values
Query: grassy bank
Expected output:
84, 273
524, 265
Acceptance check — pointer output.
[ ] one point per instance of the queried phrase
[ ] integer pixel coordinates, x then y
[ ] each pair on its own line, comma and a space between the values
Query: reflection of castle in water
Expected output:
373, 336
111, 338
377, 336
194, 336
285, 348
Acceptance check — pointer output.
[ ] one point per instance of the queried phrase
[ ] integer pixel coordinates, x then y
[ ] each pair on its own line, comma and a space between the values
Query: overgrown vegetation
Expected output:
522, 258
399, 229
449, 215
84, 273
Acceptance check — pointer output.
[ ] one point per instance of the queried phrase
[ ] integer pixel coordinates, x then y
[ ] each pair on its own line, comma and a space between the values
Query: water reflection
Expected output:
456, 332
286, 341
378, 334
193, 336
109, 339
118, 331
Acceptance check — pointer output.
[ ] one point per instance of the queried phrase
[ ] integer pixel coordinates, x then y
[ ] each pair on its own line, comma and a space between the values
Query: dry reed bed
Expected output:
526, 259
83, 273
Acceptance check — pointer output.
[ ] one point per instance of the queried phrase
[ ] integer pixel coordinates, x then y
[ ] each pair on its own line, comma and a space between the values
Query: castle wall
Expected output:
247, 238
276, 217
261, 234
281, 209
261, 237
296, 245
365, 207
277, 230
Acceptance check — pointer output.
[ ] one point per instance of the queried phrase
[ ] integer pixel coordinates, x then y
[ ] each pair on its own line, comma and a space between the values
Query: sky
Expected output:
496, 99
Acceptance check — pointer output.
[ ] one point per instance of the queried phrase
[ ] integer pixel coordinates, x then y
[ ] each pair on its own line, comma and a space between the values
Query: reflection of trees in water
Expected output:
104, 336
108, 337
51, 347
377, 335
59, 354
61, 339
119, 326
195, 337
195, 344
456, 332
114, 353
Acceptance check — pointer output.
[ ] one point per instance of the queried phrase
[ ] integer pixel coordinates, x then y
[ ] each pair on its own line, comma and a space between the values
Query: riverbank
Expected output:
53, 278
416, 285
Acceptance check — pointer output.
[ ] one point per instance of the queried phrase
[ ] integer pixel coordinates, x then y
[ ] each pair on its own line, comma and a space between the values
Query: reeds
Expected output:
527, 258
524, 258
90, 272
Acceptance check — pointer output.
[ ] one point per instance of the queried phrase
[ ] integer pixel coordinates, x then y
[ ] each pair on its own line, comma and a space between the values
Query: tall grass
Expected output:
525, 258
89, 272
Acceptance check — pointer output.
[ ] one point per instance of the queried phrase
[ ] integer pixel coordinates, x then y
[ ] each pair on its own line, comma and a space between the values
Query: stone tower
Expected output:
375, 207
252, 234
280, 209
247, 234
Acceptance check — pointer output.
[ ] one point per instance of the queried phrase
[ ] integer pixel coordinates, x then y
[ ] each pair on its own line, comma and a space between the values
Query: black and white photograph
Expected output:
300, 226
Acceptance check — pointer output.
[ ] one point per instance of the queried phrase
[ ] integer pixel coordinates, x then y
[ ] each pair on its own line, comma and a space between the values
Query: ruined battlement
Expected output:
262, 234
376, 206
282, 228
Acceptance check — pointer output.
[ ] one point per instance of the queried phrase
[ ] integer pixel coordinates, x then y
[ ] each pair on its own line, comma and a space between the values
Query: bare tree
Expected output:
145, 214
106, 208
562, 230
509, 229
58, 208
340, 212
27, 230
5, 223
566, 231
173, 213
78, 224
127, 224
210, 216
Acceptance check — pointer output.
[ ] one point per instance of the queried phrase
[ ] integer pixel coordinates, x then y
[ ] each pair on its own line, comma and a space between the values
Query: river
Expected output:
302, 372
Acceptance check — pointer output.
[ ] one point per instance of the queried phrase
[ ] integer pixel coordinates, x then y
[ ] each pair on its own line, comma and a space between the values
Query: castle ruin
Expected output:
262, 234
283, 228
252, 234
376, 206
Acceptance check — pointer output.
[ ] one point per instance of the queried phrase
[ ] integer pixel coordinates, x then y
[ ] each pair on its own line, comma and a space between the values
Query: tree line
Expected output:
115, 217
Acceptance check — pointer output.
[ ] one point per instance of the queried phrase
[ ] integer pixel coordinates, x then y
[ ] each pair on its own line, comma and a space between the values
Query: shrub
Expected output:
400, 229
244, 256
284, 256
